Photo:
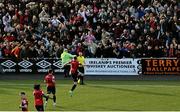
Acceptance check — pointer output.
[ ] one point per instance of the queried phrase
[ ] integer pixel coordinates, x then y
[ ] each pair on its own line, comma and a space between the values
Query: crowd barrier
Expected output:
98, 66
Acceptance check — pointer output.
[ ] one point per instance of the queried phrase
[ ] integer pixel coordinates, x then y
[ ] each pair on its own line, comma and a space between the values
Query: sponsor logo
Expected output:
25, 64
8, 64
161, 66
58, 64
113, 66
43, 64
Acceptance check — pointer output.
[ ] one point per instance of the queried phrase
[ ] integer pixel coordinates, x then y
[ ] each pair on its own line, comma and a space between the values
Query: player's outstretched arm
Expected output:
53, 81
66, 63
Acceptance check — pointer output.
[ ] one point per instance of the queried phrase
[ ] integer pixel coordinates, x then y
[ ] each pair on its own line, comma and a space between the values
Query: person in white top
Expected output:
6, 20
55, 22
82, 12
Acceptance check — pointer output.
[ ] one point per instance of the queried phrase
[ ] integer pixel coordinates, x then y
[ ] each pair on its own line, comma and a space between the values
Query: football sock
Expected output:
54, 98
82, 79
47, 98
74, 86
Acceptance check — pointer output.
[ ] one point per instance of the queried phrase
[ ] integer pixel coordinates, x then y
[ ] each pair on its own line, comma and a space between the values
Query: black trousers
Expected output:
66, 70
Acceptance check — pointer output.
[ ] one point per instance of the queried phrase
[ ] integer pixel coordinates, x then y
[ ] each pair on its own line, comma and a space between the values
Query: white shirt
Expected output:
55, 22
83, 14
6, 21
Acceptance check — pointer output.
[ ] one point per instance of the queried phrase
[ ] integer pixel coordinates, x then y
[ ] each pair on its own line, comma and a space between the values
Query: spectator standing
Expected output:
66, 58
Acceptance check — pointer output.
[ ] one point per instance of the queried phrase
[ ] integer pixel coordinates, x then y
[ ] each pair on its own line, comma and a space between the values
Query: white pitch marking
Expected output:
11, 84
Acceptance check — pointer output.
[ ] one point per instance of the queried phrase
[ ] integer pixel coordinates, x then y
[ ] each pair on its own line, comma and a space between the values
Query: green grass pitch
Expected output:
98, 95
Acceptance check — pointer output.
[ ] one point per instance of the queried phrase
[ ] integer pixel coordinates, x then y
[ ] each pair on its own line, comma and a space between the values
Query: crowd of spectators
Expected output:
98, 28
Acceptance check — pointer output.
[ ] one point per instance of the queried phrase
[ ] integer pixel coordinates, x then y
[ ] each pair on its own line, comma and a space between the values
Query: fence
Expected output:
98, 66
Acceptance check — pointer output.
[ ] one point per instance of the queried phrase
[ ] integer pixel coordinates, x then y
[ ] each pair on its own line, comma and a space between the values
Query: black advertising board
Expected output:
8, 65
25, 66
57, 65
30, 65
161, 66
42, 65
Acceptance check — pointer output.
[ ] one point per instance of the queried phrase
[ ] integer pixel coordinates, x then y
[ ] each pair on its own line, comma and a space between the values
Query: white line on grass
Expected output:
98, 111
110, 85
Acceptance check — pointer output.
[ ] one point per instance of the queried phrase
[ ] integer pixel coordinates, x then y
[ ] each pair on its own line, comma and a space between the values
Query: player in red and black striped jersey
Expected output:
50, 82
38, 98
74, 73
24, 102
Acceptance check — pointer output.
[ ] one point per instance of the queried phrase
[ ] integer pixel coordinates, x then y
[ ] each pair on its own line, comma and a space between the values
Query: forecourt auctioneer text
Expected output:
111, 64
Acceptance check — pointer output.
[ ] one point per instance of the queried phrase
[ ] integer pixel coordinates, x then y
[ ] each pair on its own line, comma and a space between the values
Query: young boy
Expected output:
24, 102
38, 98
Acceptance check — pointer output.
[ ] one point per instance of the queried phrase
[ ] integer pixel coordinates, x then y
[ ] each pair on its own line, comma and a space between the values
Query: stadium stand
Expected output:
98, 28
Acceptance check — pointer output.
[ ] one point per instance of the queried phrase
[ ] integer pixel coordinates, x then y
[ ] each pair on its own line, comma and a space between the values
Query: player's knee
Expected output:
75, 83
47, 95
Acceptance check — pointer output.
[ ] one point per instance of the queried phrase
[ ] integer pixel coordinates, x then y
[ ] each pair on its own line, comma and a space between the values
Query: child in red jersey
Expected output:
50, 82
38, 98
24, 102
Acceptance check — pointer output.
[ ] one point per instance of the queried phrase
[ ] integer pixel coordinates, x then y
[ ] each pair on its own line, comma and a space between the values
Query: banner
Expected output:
8, 65
161, 66
25, 66
31, 65
111, 66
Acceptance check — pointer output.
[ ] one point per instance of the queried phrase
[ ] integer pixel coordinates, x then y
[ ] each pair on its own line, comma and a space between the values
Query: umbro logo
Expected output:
58, 64
43, 64
8, 64
25, 64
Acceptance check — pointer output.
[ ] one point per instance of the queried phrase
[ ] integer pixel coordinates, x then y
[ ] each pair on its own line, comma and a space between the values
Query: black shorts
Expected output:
66, 69
81, 69
51, 90
75, 77
24, 109
39, 107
